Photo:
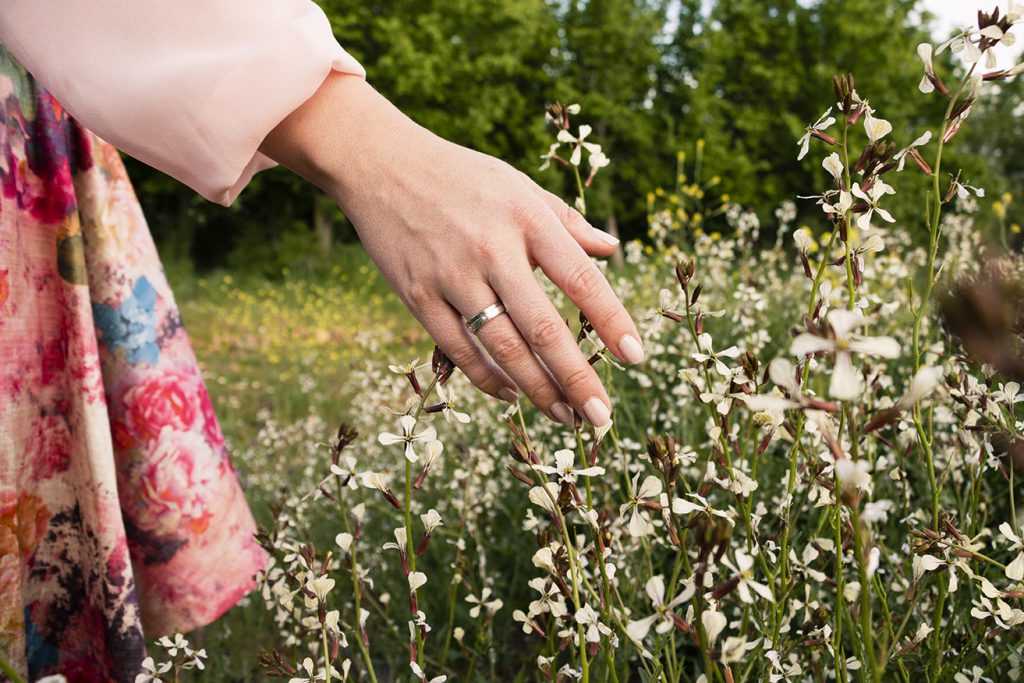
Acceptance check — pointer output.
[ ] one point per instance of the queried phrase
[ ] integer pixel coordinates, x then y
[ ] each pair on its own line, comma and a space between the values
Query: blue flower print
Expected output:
132, 325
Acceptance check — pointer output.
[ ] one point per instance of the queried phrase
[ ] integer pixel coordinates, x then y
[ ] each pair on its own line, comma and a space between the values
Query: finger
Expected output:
447, 328
594, 241
550, 338
511, 352
574, 273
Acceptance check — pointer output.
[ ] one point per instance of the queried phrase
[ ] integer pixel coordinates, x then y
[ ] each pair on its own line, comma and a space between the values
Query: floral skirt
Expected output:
120, 512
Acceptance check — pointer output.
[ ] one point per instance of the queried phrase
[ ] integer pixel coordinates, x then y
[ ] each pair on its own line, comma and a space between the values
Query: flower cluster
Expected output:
813, 476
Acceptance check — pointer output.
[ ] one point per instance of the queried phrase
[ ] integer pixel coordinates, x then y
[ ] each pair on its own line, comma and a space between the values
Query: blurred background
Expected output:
654, 77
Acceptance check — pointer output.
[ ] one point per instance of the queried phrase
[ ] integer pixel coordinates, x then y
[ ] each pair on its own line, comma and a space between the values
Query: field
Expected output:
814, 475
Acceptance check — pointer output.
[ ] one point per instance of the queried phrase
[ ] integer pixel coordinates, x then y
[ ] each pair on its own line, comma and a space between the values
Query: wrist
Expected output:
343, 138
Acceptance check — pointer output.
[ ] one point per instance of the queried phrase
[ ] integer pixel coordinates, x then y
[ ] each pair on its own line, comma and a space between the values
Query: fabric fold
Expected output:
191, 88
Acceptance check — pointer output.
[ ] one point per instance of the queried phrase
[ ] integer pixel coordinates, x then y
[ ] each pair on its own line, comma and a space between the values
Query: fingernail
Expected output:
597, 412
509, 394
630, 349
562, 413
605, 237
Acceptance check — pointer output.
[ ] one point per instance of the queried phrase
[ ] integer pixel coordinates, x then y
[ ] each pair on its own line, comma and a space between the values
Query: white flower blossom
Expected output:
871, 197
565, 470
416, 581
707, 353
823, 123
1014, 570
646, 491
876, 129
663, 616
744, 569
483, 602
845, 383
408, 436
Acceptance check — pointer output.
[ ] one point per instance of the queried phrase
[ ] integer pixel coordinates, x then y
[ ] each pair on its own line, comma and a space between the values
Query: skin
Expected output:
455, 230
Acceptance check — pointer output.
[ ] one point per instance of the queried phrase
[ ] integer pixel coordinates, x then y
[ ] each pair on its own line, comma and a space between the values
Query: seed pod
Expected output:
807, 266
521, 476
411, 376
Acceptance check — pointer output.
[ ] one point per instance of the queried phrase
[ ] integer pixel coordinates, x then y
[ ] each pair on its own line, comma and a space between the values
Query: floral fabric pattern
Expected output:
120, 512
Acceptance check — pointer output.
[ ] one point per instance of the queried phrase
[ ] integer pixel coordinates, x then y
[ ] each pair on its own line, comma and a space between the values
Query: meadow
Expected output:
815, 474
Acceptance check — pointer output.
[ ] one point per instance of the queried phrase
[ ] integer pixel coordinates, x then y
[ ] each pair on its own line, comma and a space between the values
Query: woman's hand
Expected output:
454, 231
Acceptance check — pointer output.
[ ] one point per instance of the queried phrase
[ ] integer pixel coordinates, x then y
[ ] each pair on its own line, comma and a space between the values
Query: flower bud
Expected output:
684, 272
696, 294
521, 476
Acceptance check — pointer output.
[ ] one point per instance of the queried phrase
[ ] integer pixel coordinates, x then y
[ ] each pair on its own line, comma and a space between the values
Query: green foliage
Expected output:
760, 72
470, 70
653, 77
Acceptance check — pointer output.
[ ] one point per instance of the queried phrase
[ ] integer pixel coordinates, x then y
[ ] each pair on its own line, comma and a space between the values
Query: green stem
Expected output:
327, 654
580, 190
407, 510
846, 217
9, 671
356, 588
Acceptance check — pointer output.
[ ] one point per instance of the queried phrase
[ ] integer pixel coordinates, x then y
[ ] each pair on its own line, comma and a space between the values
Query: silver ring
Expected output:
485, 316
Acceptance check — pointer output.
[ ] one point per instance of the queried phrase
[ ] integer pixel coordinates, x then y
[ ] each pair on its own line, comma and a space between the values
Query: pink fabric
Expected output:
191, 87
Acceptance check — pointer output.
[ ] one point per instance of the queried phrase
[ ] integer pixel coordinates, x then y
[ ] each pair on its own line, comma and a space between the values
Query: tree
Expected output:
607, 62
761, 70
472, 71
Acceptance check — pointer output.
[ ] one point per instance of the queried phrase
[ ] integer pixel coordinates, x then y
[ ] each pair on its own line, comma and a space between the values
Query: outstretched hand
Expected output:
455, 231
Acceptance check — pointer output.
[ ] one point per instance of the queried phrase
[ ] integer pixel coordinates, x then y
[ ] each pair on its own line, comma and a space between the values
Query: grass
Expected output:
277, 352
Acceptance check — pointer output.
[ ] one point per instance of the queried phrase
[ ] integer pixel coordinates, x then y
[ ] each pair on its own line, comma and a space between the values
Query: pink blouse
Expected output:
191, 87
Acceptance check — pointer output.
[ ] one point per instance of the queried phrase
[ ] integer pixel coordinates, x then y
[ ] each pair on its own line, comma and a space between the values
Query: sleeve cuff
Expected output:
255, 96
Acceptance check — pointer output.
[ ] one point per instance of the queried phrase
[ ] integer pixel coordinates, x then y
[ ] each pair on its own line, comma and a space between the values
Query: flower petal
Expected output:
807, 343
845, 383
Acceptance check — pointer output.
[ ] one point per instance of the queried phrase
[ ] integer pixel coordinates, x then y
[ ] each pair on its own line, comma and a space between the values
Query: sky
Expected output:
952, 14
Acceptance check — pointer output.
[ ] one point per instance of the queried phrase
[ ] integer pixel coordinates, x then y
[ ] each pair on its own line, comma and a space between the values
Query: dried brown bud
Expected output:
439, 362
824, 137
520, 475
696, 294
684, 272
556, 116
921, 163
750, 363
807, 266
346, 435
519, 451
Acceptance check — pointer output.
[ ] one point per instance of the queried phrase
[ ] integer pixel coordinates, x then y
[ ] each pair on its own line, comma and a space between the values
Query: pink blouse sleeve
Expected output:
191, 87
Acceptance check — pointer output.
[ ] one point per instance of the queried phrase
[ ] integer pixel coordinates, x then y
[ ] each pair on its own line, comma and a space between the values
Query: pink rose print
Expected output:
213, 433
52, 443
170, 400
175, 480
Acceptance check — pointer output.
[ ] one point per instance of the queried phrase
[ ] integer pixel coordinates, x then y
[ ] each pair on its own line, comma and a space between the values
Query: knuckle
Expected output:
465, 358
608, 317
508, 350
452, 273
568, 215
577, 380
581, 279
488, 251
419, 295
526, 213
546, 331
541, 391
